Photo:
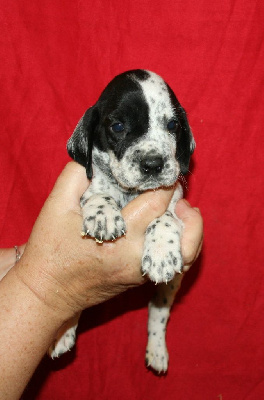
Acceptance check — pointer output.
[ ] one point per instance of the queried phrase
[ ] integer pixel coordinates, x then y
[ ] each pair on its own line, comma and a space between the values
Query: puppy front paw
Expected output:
162, 256
102, 219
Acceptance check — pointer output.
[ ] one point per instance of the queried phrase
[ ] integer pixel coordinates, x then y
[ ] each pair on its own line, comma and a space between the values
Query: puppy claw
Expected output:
181, 270
83, 233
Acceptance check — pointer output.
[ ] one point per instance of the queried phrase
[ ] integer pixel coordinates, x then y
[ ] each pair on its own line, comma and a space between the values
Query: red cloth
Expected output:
56, 57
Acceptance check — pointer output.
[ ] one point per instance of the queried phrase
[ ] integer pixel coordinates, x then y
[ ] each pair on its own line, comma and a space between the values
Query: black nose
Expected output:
151, 165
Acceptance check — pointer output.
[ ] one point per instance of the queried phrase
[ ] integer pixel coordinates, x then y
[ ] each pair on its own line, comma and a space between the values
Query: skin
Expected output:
61, 273
8, 259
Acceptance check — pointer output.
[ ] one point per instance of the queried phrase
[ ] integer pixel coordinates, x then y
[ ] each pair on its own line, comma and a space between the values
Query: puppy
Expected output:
135, 138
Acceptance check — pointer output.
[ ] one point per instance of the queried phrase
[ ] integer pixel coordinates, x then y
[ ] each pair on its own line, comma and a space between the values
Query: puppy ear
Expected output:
185, 142
80, 144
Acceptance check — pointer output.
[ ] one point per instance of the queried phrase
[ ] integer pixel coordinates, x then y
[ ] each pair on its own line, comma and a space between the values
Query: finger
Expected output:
145, 208
193, 230
70, 185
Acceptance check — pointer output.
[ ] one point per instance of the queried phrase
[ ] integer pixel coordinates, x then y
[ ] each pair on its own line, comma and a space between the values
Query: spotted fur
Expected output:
135, 138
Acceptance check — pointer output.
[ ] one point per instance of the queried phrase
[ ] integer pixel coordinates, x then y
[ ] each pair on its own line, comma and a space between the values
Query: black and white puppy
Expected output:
135, 138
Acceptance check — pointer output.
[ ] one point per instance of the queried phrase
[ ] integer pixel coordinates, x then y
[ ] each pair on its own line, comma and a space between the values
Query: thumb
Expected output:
186, 212
70, 185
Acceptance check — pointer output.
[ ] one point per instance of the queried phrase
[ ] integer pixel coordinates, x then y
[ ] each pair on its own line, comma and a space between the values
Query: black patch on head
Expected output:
183, 134
80, 144
122, 101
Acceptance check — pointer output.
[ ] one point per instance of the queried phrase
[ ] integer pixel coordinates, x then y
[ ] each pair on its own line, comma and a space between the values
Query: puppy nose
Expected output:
152, 165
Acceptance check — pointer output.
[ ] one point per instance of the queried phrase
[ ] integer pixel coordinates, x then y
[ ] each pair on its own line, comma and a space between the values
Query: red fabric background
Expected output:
56, 57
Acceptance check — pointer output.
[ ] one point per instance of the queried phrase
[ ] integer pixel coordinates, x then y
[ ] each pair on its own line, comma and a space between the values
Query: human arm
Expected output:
61, 273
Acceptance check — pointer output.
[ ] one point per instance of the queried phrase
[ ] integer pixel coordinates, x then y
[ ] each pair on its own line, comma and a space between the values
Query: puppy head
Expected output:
137, 132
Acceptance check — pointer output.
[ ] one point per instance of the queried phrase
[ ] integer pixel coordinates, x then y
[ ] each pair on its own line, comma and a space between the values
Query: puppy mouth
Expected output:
153, 182
149, 183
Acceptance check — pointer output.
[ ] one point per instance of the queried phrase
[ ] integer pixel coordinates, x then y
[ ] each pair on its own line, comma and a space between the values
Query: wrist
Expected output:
47, 291
28, 327
33, 298
7, 260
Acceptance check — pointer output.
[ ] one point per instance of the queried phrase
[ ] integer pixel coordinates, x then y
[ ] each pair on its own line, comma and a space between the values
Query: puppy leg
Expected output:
162, 249
102, 217
159, 311
65, 339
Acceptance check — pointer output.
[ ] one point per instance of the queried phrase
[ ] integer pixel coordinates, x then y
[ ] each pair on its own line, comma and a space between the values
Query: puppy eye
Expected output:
117, 127
172, 125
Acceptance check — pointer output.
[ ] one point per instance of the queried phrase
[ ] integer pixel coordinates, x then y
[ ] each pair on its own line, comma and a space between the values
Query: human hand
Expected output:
70, 273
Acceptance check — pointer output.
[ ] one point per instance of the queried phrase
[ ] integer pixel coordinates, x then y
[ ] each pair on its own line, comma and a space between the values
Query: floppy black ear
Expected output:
185, 142
80, 144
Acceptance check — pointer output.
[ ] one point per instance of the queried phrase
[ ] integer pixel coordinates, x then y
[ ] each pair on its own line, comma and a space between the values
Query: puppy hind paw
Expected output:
157, 360
64, 344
